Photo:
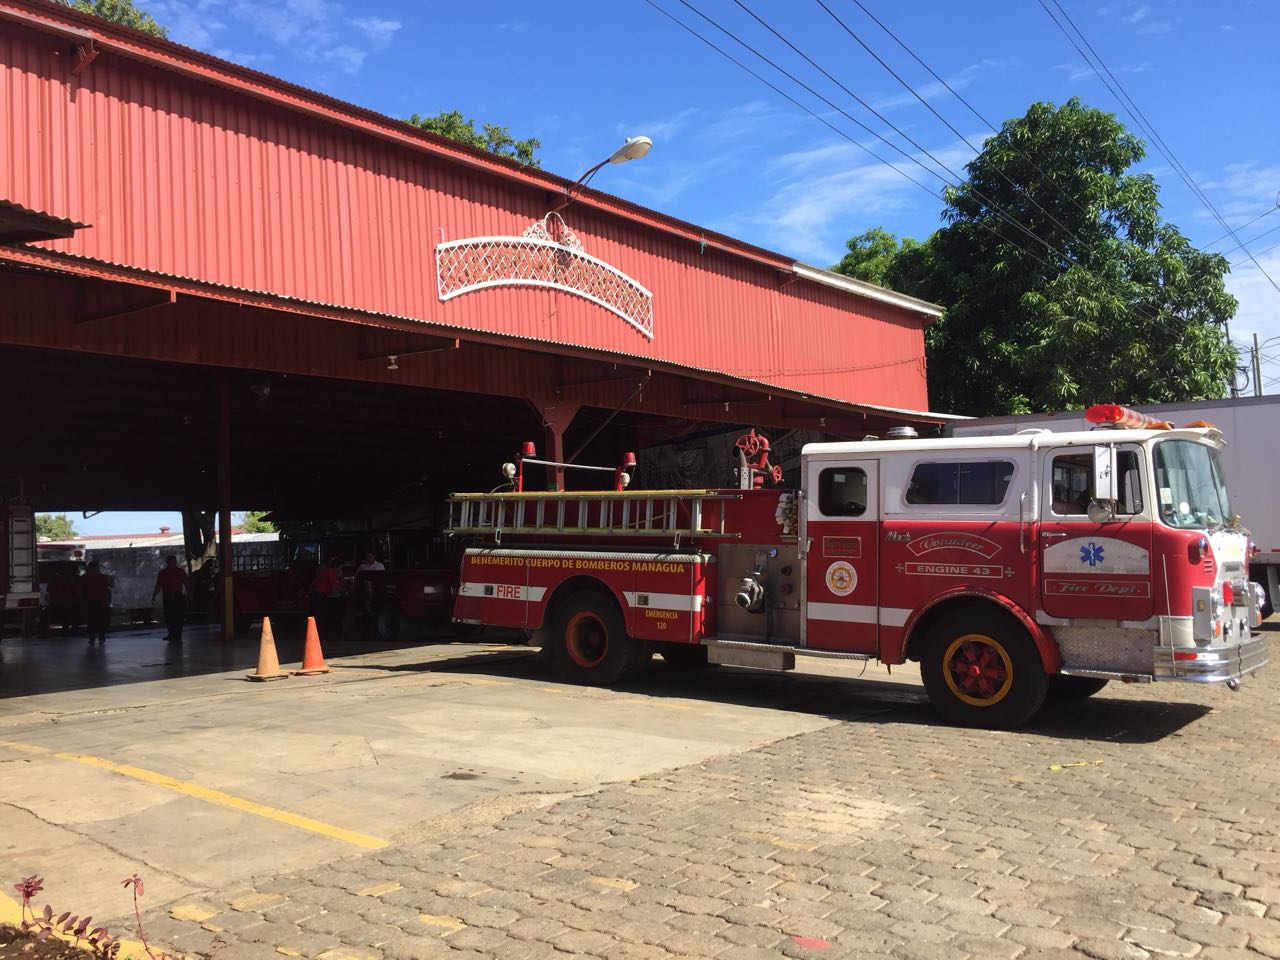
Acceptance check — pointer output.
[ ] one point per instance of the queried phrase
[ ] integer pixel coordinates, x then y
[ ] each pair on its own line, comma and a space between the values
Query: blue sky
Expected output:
732, 155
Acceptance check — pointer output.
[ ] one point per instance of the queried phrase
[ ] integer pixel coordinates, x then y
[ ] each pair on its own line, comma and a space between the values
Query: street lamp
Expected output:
632, 149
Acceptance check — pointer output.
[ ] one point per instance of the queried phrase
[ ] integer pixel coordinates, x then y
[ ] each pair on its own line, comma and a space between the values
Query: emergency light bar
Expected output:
1114, 415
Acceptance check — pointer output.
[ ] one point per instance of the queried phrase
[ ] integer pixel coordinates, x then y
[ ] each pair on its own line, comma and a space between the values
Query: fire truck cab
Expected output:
1012, 568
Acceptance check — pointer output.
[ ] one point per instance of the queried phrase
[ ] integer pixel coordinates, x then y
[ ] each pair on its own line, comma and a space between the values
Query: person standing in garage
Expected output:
172, 582
327, 600
95, 598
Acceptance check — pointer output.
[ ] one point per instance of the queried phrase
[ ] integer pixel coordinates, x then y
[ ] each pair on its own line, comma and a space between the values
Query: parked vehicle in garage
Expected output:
416, 587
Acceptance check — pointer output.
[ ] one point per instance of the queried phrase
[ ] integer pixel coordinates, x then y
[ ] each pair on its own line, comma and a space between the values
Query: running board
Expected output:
769, 656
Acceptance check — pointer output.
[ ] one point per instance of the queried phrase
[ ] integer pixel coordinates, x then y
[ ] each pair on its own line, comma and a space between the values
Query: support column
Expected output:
556, 416
228, 612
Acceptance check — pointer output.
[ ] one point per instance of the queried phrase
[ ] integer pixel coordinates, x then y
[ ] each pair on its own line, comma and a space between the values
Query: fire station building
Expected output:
219, 287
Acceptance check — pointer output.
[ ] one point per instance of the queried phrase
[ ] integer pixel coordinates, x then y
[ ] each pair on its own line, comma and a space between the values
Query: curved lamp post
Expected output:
632, 149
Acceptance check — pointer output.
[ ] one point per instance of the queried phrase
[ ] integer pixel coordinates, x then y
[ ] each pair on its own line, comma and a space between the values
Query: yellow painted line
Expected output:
192, 912
448, 924
209, 795
11, 913
381, 890
615, 883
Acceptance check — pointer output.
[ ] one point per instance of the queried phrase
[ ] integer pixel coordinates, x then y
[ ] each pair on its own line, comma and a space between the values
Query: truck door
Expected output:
1095, 570
842, 519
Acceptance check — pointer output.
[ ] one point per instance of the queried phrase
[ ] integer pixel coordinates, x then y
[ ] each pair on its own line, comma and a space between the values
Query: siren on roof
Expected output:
1115, 416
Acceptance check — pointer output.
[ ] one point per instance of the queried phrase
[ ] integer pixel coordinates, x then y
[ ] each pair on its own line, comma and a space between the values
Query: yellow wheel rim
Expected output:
978, 670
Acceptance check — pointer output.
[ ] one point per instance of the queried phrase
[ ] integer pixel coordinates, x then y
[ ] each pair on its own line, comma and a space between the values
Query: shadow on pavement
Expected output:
848, 699
65, 662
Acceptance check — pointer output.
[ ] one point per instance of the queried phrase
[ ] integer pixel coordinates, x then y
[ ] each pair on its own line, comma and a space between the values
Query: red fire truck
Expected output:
1011, 567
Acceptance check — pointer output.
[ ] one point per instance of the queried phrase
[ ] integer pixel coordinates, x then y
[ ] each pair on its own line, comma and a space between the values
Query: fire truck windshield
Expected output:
1189, 485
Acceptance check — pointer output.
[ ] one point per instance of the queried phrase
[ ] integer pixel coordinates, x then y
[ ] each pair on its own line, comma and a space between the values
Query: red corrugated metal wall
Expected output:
189, 179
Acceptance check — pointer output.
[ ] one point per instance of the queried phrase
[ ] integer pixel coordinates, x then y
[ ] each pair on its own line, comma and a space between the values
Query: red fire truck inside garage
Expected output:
1012, 568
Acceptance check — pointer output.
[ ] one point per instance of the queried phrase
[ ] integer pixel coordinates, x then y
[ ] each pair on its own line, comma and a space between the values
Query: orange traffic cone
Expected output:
312, 658
268, 662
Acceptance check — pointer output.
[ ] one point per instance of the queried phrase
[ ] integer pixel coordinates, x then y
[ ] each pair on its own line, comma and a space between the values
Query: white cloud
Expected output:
1076, 71
312, 31
377, 31
1145, 19
828, 192
661, 130
959, 81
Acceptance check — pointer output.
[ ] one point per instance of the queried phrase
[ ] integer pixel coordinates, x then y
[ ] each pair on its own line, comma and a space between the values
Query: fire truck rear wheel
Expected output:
1074, 688
981, 669
591, 642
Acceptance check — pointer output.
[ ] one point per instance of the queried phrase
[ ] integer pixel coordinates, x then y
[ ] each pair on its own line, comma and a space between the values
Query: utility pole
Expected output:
1235, 370
1257, 368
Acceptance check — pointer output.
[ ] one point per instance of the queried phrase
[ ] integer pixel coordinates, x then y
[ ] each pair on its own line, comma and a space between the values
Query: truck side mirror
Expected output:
1104, 472
1101, 512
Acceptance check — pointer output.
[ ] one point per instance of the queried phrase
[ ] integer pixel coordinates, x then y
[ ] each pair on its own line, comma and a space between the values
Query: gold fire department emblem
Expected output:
842, 579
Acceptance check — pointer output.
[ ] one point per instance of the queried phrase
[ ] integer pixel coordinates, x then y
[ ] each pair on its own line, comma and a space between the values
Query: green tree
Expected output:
51, 527
121, 11
1115, 305
872, 254
495, 139
252, 522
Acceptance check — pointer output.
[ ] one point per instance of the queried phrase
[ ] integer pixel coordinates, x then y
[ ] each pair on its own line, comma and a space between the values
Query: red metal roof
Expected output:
20, 225
190, 167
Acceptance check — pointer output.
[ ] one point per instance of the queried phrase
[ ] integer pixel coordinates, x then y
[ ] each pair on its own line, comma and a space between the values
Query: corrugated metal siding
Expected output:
192, 180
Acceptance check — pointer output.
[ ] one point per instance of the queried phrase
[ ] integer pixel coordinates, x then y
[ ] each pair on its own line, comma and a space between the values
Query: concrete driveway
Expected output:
203, 782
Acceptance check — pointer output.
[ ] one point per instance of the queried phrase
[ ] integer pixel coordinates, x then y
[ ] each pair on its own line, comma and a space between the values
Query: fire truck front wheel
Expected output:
981, 669
591, 642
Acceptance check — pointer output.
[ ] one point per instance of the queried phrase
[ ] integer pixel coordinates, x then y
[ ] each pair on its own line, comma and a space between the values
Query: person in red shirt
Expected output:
327, 599
172, 582
95, 598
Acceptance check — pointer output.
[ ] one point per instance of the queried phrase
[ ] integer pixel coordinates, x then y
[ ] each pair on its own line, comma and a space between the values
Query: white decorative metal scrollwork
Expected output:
548, 254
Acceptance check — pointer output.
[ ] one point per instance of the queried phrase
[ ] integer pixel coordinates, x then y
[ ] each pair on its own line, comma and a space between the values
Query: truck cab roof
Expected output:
1025, 440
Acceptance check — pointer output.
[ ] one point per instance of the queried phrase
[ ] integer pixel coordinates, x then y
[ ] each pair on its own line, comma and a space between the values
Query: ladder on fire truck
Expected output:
673, 514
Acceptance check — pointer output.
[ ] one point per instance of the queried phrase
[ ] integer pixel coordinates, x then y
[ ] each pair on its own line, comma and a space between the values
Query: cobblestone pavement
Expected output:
1142, 822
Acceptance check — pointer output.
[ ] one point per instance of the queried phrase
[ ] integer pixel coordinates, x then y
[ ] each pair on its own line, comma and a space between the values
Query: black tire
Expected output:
1259, 575
590, 641
981, 669
684, 656
1065, 689
464, 630
388, 623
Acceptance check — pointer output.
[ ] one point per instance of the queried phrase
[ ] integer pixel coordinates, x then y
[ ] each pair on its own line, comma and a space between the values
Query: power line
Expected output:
732, 59
947, 123
1243, 225
786, 96
994, 206
1241, 246
1138, 117
1261, 253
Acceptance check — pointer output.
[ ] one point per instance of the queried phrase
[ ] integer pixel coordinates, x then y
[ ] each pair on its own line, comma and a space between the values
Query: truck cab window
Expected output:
842, 492
982, 482
1073, 483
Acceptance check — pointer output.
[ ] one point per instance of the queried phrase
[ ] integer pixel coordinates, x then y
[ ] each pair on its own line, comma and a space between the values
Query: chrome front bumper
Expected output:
1211, 664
